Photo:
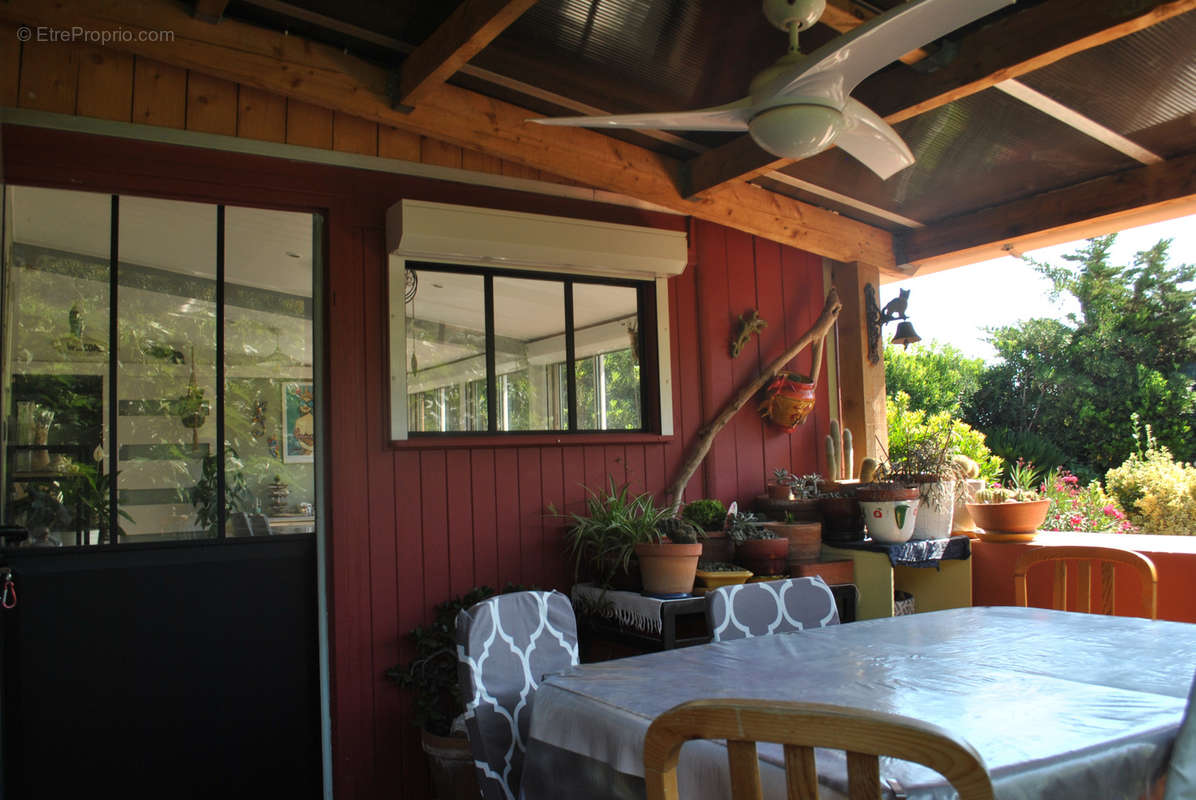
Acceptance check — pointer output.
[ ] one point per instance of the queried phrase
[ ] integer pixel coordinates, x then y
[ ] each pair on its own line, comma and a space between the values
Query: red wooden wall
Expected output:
410, 526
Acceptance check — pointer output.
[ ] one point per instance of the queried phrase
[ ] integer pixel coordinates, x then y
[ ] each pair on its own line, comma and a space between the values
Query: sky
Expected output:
955, 306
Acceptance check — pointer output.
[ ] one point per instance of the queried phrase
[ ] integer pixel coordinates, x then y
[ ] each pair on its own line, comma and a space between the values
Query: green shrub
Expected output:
1011, 445
908, 426
707, 515
1157, 492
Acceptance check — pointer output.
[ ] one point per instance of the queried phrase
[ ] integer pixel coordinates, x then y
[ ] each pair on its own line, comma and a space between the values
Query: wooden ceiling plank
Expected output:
1074, 119
1105, 204
739, 159
210, 11
471, 26
1012, 46
327, 77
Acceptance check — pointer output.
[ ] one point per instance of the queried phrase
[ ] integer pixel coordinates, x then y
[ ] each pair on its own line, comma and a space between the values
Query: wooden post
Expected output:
861, 384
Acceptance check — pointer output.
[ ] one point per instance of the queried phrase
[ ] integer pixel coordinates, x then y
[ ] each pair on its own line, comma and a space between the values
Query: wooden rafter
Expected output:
470, 27
327, 77
1014, 45
1097, 206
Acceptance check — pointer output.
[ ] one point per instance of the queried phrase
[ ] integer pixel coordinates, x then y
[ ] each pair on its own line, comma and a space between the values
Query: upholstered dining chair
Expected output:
800, 727
759, 609
1106, 557
505, 646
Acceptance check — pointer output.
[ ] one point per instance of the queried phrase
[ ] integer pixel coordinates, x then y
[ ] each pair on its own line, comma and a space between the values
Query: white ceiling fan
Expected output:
801, 105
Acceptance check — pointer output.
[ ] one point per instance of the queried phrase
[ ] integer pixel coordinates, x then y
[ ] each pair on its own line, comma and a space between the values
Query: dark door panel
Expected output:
163, 670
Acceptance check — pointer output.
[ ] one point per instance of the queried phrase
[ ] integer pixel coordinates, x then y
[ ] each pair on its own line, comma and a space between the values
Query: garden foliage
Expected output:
908, 426
1157, 491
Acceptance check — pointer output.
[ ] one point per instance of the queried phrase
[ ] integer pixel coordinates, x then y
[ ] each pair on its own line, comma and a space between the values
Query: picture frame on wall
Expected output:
298, 422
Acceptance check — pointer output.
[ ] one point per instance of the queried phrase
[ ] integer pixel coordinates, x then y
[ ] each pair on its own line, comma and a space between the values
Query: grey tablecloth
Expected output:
1059, 705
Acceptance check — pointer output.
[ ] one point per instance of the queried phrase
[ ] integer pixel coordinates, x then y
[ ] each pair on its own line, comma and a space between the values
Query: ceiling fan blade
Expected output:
835, 69
872, 141
731, 117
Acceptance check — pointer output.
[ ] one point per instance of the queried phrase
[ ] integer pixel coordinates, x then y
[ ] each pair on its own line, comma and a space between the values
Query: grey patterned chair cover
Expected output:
505, 646
760, 609
1181, 774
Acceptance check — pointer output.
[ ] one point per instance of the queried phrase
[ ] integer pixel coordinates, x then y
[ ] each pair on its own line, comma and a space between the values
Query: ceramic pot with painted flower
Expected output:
890, 511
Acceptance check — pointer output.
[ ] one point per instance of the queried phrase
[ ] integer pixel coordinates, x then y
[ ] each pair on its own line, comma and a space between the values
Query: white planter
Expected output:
890, 521
936, 510
963, 520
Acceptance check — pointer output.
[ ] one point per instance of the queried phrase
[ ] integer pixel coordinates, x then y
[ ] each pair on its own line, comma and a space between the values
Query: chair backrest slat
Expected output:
1107, 557
863, 734
801, 772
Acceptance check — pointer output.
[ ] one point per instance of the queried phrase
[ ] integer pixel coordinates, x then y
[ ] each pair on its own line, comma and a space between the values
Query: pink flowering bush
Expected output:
1081, 508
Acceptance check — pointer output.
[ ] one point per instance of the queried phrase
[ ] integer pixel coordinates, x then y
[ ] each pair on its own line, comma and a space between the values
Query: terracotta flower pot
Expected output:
668, 568
1010, 517
763, 556
454, 776
842, 519
805, 538
779, 491
717, 546
801, 510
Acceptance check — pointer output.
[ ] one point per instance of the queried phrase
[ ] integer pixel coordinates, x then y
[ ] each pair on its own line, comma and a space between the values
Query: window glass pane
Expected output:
529, 337
166, 377
607, 366
446, 353
269, 400
56, 364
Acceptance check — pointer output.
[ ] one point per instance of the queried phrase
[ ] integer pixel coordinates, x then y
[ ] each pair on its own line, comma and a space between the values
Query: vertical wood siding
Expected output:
409, 528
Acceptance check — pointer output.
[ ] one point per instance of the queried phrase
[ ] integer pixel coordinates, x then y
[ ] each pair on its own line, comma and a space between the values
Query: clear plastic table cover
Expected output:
1059, 705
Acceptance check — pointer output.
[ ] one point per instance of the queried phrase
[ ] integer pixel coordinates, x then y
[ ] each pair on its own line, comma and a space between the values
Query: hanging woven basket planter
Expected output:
788, 400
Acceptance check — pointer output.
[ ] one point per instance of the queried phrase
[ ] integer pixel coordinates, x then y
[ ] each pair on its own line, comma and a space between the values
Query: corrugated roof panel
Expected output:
1132, 84
985, 149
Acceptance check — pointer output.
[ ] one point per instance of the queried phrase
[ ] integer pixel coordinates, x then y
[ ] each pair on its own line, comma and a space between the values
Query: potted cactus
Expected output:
668, 565
1011, 513
756, 547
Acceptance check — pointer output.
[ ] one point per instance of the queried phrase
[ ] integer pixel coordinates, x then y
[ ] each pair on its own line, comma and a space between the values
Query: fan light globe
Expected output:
796, 131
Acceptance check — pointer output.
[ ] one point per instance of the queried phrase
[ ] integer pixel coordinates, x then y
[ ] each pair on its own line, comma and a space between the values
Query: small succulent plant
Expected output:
746, 526
706, 515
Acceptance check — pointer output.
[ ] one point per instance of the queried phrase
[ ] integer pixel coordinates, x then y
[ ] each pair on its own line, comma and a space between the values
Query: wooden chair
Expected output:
800, 727
1107, 557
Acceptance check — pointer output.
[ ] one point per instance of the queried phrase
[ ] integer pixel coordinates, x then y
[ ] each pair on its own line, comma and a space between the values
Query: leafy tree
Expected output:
937, 377
1130, 348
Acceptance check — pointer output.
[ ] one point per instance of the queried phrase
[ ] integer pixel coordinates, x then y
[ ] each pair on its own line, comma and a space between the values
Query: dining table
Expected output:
1059, 705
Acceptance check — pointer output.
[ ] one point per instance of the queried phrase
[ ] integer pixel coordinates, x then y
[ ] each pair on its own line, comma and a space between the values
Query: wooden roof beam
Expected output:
1010, 47
1114, 202
471, 26
325, 76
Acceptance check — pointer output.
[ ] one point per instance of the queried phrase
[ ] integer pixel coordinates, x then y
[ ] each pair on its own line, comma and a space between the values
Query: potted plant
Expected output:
602, 541
202, 495
842, 518
757, 548
1014, 513
667, 565
928, 462
432, 677
780, 488
805, 538
890, 510
713, 574
709, 517
88, 489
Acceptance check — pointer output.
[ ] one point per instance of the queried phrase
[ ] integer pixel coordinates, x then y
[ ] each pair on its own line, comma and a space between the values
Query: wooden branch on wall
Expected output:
705, 437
